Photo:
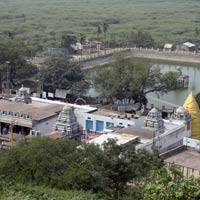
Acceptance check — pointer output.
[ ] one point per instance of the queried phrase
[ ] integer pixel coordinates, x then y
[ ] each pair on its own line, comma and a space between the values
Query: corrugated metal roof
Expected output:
168, 46
189, 44
35, 111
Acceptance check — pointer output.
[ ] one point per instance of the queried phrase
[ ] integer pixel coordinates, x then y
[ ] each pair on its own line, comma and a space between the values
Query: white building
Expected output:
161, 134
40, 116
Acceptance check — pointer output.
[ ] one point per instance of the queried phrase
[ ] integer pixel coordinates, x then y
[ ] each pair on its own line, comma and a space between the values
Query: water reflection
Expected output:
178, 97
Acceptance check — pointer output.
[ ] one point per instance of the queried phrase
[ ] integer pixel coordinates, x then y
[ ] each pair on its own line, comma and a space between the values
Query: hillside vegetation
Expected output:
68, 166
43, 22
47, 169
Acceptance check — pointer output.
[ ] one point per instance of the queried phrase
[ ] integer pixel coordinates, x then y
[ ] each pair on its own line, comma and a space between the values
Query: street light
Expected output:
7, 63
7, 74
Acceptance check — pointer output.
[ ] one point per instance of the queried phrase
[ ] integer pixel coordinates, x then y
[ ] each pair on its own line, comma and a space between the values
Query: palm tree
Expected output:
105, 29
99, 31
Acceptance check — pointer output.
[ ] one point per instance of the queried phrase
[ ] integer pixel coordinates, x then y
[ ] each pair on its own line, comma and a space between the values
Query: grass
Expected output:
42, 22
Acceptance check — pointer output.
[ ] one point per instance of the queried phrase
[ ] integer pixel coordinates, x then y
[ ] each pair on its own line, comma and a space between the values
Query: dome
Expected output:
22, 89
154, 112
181, 110
154, 120
69, 121
67, 108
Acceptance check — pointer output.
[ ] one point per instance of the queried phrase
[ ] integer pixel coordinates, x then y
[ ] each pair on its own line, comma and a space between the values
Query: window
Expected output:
109, 124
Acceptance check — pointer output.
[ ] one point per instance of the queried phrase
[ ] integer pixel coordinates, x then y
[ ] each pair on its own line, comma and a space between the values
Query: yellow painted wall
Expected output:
192, 107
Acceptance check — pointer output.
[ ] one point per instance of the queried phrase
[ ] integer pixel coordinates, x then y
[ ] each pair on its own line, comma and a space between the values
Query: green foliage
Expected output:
129, 78
42, 23
170, 184
170, 79
14, 53
67, 40
143, 39
68, 165
99, 31
10, 191
62, 74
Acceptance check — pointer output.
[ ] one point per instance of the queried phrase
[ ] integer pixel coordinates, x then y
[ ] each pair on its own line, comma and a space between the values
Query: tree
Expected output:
170, 184
13, 61
99, 31
126, 168
67, 40
70, 165
82, 38
105, 29
61, 73
143, 39
197, 32
127, 78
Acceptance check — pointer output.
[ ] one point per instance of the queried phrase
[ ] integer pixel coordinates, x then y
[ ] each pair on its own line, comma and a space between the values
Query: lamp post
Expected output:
7, 75
4, 87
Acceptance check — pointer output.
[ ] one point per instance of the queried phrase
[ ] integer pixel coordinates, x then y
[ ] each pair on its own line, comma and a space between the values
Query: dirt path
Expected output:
171, 56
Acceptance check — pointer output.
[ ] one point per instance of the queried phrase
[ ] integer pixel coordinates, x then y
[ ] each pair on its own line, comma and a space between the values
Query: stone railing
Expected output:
100, 54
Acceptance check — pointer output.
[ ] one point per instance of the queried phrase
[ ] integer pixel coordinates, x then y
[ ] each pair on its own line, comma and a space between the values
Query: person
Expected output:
5, 131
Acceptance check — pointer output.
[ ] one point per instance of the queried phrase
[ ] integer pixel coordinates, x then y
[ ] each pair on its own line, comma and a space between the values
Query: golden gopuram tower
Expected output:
192, 107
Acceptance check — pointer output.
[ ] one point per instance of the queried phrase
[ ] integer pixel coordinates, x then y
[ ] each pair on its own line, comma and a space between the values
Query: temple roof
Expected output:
35, 111
154, 112
193, 108
181, 110
67, 107
190, 104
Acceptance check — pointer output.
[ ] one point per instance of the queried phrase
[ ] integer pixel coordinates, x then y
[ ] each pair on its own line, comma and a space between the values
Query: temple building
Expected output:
182, 80
182, 114
23, 95
67, 122
192, 107
154, 120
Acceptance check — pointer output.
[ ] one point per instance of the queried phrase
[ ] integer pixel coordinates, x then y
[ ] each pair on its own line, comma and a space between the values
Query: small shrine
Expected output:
154, 120
182, 80
182, 114
67, 122
23, 95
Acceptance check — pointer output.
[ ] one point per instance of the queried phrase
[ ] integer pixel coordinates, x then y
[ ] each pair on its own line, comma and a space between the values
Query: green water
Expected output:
175, 97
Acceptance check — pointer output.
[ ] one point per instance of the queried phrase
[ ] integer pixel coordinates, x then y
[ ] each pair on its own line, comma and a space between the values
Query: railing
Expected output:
186, 171
140, 51
100, 54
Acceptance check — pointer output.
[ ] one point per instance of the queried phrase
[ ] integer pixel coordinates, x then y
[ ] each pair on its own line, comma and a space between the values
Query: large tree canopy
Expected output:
13, 62
60, 73
141, 39
127, 78
68, 165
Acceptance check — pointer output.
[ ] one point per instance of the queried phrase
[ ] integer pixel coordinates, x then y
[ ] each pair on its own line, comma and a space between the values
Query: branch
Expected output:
158, 89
